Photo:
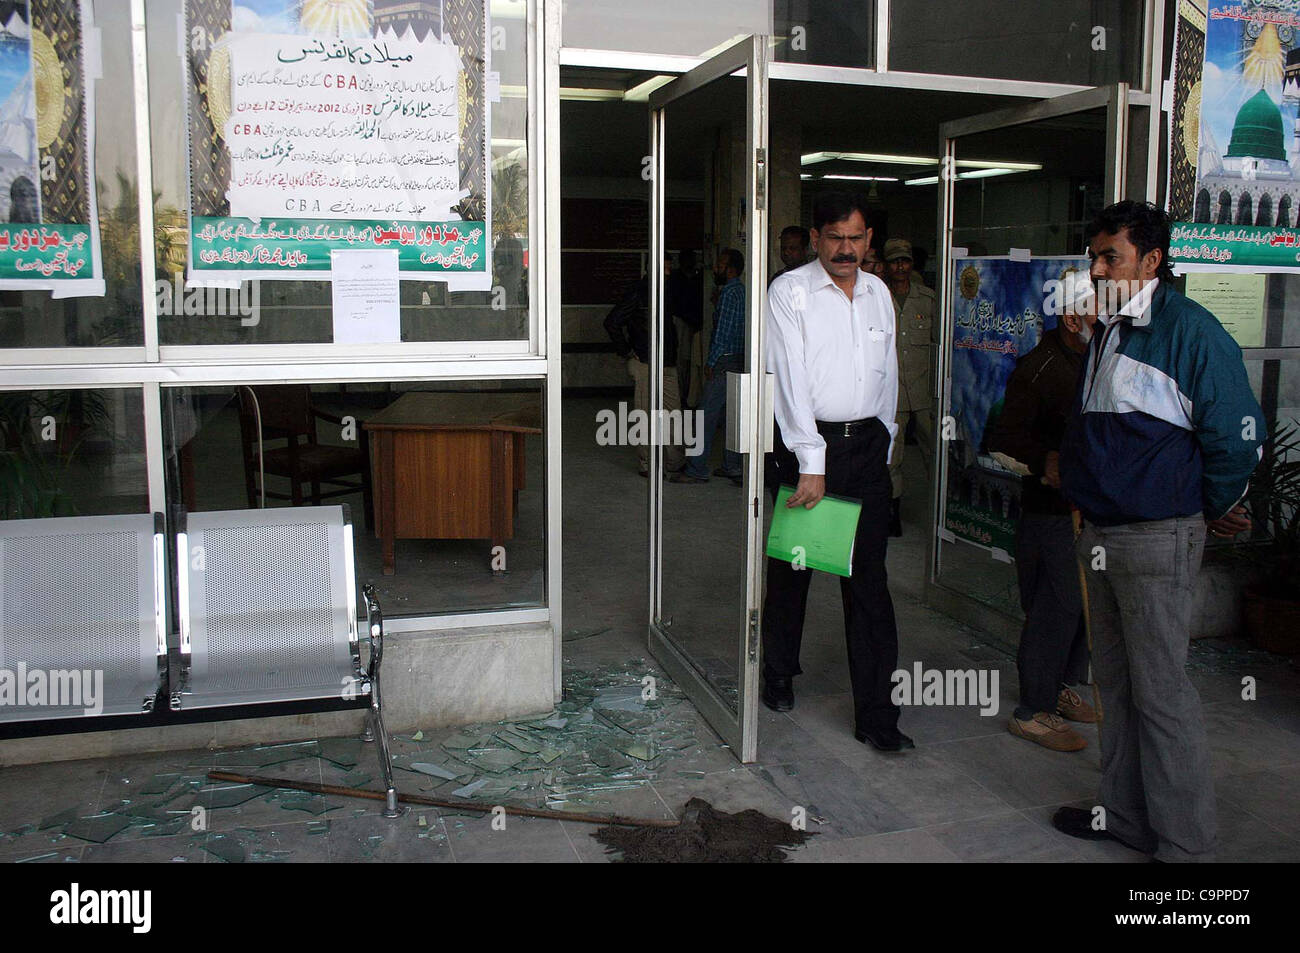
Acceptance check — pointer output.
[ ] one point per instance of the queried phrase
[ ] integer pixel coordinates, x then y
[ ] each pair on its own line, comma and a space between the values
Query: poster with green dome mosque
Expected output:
1244, 211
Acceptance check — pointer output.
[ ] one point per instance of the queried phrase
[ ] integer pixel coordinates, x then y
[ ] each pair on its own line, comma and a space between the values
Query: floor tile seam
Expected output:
446, 833
564, 829
961, 770
664, 801
1263, 820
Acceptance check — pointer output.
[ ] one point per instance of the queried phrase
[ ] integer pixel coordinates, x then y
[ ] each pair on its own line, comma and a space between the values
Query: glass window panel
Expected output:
1085, 42
449, 465
280, 312
1041, 200
72, 453
825, 32
673, 27
30, 319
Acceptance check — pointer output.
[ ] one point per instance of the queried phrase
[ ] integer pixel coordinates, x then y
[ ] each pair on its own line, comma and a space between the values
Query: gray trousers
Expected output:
1156, 784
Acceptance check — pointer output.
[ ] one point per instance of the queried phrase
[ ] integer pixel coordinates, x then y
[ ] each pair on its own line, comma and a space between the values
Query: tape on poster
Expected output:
1019, 254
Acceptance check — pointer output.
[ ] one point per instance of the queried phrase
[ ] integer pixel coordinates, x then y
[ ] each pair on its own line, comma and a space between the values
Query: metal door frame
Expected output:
749, 57
1115, 100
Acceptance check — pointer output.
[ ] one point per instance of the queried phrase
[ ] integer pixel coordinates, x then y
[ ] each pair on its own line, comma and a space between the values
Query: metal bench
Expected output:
82, 616
267, 605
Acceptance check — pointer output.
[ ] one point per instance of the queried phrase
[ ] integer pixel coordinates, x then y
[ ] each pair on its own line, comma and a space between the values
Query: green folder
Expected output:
824, 534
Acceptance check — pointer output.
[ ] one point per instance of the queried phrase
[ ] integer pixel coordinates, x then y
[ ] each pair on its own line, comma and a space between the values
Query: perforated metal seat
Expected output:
82, 616
268, 613
267, 607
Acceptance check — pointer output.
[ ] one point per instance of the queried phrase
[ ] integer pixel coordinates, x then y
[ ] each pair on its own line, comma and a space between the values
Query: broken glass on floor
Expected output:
98, 828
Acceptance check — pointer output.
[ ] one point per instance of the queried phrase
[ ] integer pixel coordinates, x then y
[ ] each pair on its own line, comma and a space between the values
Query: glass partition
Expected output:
70, 168
319, 161
1083, 42
825, 32
76, 452
676, 27
1021, 225
703, 528
444, 481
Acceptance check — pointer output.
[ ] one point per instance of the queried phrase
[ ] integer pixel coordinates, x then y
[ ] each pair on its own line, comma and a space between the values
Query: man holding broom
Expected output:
1165, 436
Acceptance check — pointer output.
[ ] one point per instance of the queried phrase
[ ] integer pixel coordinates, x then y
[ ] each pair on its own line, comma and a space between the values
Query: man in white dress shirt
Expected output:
830, 345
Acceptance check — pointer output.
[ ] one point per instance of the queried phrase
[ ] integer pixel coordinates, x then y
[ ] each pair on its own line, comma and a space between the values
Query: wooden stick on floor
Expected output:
1087, 618
456, 804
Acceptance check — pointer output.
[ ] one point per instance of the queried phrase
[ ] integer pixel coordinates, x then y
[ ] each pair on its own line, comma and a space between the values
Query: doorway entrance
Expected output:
706, 540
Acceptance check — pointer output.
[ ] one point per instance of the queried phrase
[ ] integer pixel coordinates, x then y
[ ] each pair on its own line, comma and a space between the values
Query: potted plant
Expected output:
1273, 603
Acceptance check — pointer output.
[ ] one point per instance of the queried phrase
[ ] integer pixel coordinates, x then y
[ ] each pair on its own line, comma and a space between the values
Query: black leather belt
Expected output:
844, 428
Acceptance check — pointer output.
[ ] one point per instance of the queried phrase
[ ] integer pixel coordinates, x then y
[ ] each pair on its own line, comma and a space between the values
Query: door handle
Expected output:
738, 438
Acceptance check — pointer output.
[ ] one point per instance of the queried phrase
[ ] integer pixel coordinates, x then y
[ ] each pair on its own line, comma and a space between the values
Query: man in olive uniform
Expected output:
914, 306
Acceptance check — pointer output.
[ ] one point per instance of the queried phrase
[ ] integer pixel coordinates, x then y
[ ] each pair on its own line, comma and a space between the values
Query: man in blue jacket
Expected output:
1165, 435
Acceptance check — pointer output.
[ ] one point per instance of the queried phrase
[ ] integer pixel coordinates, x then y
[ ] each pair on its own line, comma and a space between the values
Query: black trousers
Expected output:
1053, 642
855, 467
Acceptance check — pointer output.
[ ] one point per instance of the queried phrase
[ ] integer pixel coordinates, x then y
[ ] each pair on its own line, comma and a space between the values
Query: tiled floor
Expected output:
969, 792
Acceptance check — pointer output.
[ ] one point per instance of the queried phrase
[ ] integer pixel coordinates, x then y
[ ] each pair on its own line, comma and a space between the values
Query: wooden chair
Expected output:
285, 412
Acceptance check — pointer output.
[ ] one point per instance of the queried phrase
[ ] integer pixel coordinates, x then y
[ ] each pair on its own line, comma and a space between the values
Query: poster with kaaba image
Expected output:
49, 225
1185, 122
318, 125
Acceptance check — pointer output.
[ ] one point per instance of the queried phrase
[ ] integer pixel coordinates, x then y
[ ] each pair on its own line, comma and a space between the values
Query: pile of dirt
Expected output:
705, 835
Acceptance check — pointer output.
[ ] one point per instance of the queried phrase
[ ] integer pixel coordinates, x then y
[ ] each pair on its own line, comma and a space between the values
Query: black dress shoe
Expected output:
778, 693
1077, 822
884, 739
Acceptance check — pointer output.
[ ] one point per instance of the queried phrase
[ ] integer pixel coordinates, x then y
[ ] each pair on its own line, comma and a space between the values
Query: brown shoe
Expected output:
1070, 704
1048, 730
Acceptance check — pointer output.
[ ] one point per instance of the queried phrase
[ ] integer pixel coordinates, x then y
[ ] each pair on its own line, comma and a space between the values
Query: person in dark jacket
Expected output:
1027, 437
685, 292
1165, 435
628, 326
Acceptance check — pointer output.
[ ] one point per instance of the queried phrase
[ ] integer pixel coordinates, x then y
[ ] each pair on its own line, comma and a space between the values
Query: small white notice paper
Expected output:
367, 297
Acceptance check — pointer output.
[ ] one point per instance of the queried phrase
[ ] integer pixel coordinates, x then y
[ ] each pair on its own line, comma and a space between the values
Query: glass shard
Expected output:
98, 828
225, 848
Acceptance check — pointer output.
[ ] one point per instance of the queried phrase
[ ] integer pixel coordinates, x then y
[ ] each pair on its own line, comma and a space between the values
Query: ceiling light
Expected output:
863, 178
987, 173
589, 95
812, 158
977, 174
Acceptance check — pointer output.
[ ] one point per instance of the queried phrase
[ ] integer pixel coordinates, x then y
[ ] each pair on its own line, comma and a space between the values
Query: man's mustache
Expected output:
844, 259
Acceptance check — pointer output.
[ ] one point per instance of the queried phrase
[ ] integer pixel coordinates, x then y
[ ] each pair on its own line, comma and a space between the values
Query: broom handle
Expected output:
1087, 616
459, 804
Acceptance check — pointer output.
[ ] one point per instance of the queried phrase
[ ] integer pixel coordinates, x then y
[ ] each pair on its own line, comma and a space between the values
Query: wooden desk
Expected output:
449, 466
